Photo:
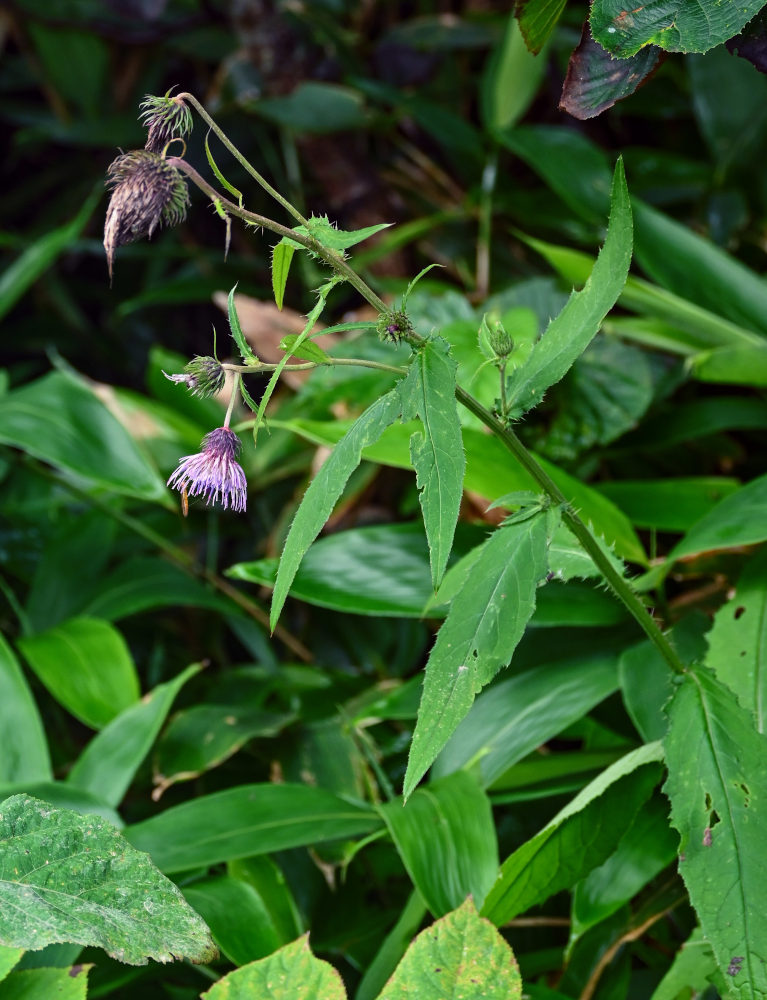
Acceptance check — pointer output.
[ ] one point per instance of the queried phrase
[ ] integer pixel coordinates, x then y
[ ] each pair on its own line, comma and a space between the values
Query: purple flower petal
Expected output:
214, 473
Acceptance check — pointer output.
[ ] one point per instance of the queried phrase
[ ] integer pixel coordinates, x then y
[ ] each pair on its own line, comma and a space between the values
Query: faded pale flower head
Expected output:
146, 192
166, 118
203, 376
214, 473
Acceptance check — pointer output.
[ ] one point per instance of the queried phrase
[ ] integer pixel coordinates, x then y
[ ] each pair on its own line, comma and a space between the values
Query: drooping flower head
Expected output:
147, 191
166, 118
203, 376
214, 473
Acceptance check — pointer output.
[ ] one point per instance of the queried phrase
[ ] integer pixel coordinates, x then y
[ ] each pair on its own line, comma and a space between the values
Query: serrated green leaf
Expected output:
307, 351
459, 857
482, 629
282, 255
292, 973
108, 764
570, 333
580, 837
428, 392
718, 791
25, 754
737, 643
73, 878
87, 667
42, 984
246, 351
325, 489
338, 239
460, 955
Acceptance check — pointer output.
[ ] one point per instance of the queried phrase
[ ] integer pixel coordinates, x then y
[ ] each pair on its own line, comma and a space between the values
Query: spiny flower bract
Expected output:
166, 118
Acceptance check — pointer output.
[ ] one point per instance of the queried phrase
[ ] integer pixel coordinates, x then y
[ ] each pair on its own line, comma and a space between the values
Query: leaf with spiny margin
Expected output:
460, 955
737, 643
580, 837
569, 334
282, 255
428, 392
292, 973
68, 877
323, 230
485, 622
326, 488
239, 337
717, 784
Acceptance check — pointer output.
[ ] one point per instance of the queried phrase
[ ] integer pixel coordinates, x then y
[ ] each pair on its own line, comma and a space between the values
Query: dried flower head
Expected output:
203, 376
166, 118
146, 192
214, 473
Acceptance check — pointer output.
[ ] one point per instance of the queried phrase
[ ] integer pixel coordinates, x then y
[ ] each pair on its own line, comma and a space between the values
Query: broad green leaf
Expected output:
537, 19
68, 877
204, 736
247, 820
690, 971
580, 837
512, 718
458, 856
308, 350
325, 489
511, 79
86, 666
238, 920
109, 762
718, 791
595, 80
428, 392
460, 955
282, 255
576, 603
646, 687
572, 330
668, 504
267, 880
675, 25
739, 519
737, 644
8, 959
745, 364
246, 352
24, 756
292, 973
479, 636
393, 948
42, 984
60, 421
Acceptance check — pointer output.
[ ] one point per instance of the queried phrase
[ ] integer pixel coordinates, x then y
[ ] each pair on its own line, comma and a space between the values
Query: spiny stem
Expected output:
309, 365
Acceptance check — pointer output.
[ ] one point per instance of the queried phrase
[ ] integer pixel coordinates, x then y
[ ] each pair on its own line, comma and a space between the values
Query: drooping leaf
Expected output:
41, 984
596, 80
246, 351
247, 820
482, 629
24, 755
737, 520
292, 973
325, 489
460, 955
68, 877
675, 25
428, 392
282, 255
580, 837
459, 857
87, 667
737, 643
109, 762
718, 791
569, 333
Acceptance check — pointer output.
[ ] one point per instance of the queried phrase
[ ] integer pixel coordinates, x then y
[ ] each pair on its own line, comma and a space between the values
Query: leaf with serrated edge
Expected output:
428, 392
292, 973
325, 489
717, 785
481, 631
460, 955
68, 877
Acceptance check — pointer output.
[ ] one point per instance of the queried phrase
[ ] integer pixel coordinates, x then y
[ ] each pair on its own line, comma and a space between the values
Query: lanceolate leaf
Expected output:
67, 877
282, 255
718, 791
239, 337
570, 333
583, 835
428, 392
482, 629
537, 19
24, 756
737, 520
325, 489
461, 956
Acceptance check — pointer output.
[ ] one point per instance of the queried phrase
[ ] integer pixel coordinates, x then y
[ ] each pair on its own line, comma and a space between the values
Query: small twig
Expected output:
590, 988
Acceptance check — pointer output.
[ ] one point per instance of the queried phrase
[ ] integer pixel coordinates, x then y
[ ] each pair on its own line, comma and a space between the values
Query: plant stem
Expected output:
309, 365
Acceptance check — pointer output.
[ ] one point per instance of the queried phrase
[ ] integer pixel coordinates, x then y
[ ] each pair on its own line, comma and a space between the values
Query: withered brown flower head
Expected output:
146, 192
166, 118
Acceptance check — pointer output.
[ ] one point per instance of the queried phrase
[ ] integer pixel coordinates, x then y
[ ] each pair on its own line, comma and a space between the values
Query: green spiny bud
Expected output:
146, 192
394, 325
203, 376
500, 341
166, 118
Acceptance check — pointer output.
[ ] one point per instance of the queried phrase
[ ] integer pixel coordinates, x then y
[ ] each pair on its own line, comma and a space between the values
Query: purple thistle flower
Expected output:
214, 473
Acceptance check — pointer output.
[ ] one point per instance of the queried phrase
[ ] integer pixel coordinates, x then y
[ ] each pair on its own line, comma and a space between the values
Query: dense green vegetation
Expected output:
384, 501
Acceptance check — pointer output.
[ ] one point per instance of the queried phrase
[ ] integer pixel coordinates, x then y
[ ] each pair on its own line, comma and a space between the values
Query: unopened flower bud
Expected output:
146, 192
166, 118
394, 326
500, 341
203, 376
